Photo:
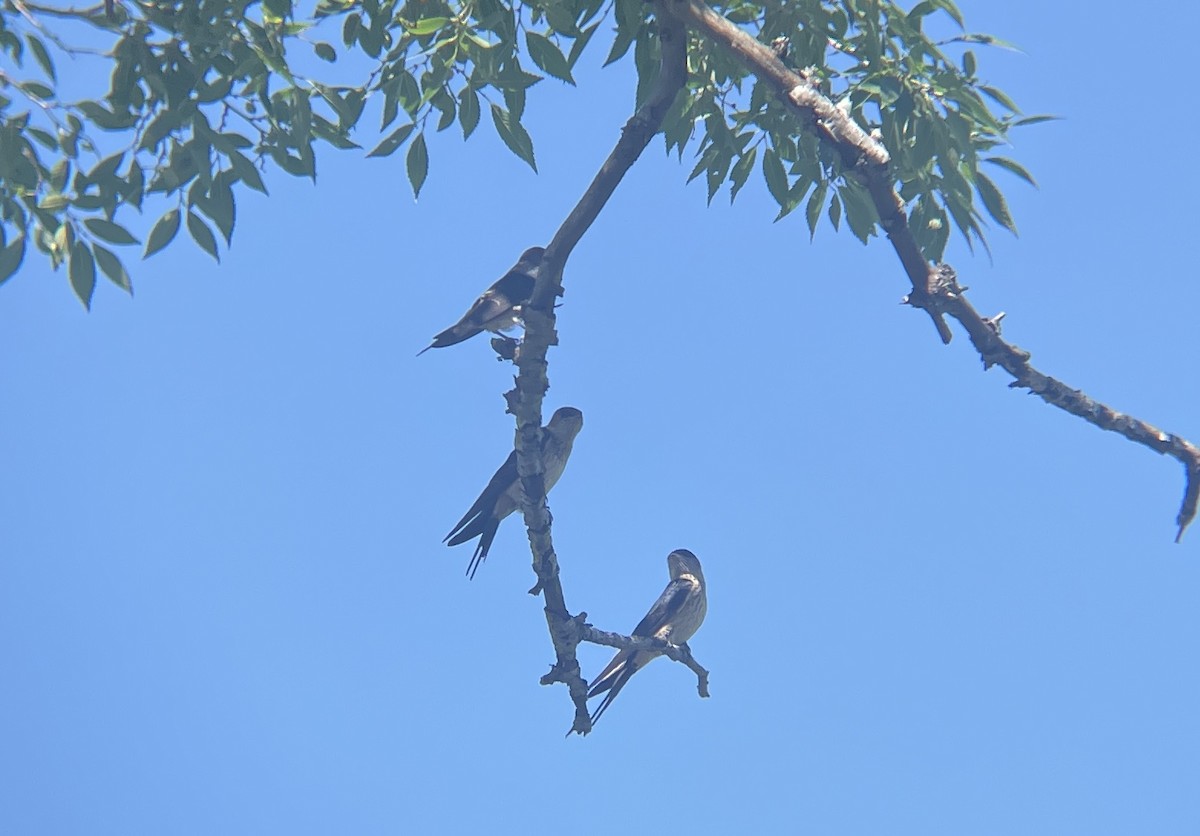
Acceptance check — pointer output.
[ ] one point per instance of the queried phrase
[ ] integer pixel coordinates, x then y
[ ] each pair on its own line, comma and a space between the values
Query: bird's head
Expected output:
566, 421
682, 562
530, 259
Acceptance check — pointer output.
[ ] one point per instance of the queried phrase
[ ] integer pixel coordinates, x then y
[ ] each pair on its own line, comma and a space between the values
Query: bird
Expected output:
499, 308
675, 618
503, 493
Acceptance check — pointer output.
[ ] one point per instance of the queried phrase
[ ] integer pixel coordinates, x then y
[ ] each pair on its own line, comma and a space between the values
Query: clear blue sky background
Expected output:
937, 606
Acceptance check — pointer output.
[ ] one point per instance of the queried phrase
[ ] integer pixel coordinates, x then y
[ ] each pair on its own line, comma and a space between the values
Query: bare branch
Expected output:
934, 290
525, 400
91, 13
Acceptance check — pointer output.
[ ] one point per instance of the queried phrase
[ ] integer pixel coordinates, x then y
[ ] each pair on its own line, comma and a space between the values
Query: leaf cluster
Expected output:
204, 96
937, 119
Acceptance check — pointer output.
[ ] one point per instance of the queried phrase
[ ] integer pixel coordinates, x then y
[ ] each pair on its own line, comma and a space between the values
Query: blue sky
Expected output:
936, 605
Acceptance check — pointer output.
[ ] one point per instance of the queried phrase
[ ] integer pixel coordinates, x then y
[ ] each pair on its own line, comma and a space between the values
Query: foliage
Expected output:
206, 95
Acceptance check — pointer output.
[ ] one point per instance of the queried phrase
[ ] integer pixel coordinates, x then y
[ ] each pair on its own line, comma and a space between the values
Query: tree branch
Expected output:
525, 400
675, 652
577, 630
934, 290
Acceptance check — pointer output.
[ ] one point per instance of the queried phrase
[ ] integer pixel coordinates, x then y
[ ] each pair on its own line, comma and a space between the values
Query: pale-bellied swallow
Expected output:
503, 493
675, 617
499, 308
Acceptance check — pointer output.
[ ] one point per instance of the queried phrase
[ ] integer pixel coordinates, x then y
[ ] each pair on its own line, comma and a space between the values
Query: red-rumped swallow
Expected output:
675, 618
503, 493
499, 308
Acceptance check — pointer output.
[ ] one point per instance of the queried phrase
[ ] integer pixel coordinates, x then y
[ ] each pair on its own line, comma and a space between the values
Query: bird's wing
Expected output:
474, 522
627, 661
665, 607
614, 687
499, 299
612, 671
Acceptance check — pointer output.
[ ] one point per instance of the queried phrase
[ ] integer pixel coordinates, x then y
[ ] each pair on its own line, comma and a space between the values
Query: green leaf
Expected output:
135, 184
468, 110
54, 202
717, 170
646, 60
246, 172
105, 118
393, 141
1033, 120
11, 257
409, 92
219, 205
1013, 166
994, 202
629, 22
106, 169
60, 174
202, 235
580, 44
982, 38
952, 10
776, 177
513, 135
82, 272
548, 57
443, 101
158, 129
41, 55
812, 212
514, 103
230, 140
278, 9
36, 88
322, 128
391, 104
927, 7
325, 51
112, 232
350, 29
795, 195
427, 26
960, 210
162, 233
741, 172
835, 212
861, 214
112, 267
417, 164
64, 238
561, 19
999, 96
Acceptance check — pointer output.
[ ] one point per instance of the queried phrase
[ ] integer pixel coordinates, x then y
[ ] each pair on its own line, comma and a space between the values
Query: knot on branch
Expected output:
545, 561
943, 282
940, 288
560, 672
567, 628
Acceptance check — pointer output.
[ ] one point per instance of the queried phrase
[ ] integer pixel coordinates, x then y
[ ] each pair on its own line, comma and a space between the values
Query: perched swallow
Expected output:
503, 493
675, 617
499, 308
